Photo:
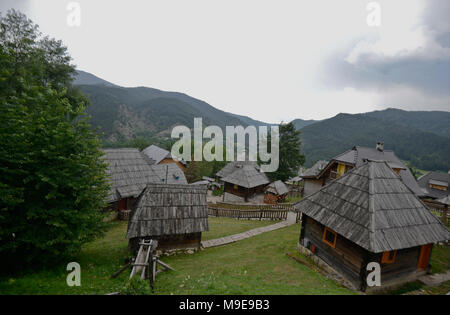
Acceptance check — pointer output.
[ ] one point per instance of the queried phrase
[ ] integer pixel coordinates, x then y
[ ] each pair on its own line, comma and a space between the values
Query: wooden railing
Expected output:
241, 206
248, 214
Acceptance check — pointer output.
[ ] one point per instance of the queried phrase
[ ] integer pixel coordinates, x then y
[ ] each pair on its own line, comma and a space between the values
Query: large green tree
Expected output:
52, 177
290, 155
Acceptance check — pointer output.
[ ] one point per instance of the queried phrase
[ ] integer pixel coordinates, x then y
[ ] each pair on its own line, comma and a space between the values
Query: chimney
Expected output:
380, 146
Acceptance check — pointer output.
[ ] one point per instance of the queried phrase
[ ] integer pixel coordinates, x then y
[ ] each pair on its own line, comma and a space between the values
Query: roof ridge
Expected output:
371, 207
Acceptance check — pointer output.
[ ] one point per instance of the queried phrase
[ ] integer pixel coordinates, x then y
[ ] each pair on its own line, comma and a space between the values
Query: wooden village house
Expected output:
275, 192
242, 180
129, 173
370, 215
174, 215
310, 181
355, 157
160, 156
436, 185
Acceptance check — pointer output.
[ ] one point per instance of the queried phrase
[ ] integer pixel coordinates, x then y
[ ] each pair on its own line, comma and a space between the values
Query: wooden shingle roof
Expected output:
358, 155
169, 173
231, 167
169, 209
315, 170
247, 176
128, 173
277, 188
372, 207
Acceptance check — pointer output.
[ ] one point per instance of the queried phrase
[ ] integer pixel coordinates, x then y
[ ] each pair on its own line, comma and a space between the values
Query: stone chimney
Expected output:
380, 146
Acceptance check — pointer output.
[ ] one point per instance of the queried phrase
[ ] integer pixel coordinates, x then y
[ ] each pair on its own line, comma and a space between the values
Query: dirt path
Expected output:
250, 233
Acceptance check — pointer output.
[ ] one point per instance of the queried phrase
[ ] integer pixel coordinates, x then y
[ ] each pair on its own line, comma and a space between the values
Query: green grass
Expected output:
440, 258
291, 199
257, 265
220, 227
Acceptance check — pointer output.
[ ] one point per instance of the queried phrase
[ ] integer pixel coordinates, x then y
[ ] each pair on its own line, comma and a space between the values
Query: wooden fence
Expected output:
241, 206
255, 214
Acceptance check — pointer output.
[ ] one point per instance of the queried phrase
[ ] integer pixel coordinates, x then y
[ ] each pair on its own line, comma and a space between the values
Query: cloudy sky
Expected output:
271, 60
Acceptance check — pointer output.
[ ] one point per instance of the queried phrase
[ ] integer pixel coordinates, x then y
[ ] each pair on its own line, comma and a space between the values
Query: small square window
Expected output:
329, 237
388, 257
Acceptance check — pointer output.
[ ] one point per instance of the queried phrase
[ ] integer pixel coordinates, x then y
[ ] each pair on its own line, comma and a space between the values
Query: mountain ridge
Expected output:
121, 113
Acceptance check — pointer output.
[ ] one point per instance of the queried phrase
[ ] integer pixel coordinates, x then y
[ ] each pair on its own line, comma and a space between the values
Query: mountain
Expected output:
300, 123
86, 78
437, 122
422, 138
125, 113
423, 149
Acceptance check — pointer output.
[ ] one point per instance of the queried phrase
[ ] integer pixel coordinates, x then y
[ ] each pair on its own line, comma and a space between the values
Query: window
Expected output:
235, 187
341, 169
329, 237
388, 257
438, 187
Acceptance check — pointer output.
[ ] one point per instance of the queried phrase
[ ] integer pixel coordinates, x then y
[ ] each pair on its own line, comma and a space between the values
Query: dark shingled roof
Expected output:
172, 171
315, 170
372, 207
247, 176
128, 173
169, 209
358, 155
231, 167
156, 154
429, 178
277, 188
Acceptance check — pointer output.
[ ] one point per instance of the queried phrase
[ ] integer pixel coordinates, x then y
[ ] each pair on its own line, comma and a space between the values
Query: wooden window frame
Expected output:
385, 257
324, 239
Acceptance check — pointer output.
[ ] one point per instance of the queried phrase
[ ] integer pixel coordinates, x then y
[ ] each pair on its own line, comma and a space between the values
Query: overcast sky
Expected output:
270, 60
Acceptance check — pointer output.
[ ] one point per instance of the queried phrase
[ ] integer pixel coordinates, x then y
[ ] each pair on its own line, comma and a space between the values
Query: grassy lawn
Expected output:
220, 227
257, 265
440, 258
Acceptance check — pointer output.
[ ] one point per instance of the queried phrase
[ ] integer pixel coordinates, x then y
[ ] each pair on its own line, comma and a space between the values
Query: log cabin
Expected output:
128, 173
243, 181
275, 192
355, 157
174, 215
370, 215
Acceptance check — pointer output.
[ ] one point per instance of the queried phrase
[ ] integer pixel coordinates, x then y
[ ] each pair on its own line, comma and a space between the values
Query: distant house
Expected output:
128, 174
242, 180
370, 215
355, 157
158, 156
231, 167
310, 181
275, 192
436, 184
175, 215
